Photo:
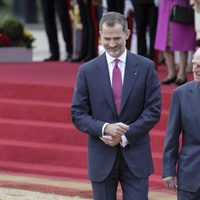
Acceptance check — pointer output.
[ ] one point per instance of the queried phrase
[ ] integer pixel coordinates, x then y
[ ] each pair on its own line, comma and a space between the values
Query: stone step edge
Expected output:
70, 187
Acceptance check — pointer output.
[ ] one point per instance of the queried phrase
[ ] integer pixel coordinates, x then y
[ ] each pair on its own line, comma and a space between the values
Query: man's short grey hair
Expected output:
113, 18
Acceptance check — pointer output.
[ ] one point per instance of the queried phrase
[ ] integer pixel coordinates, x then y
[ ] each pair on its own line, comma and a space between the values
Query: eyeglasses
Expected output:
196, 65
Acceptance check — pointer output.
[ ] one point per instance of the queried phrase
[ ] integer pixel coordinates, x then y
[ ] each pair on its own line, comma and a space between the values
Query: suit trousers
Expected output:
146, 16
116, 6
50, 8
133, 188
89, 46
185, 195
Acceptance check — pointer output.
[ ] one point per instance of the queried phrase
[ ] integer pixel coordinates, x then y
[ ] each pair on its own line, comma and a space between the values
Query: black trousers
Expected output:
116, 6
60, 7
146, 15
89, 45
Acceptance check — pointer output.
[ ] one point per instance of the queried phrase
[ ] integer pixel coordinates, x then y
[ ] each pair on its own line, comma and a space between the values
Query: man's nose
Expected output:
112, 43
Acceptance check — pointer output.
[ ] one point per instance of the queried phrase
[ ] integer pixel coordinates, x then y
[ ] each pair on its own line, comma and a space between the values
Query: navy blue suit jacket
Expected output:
184, 117
93, 105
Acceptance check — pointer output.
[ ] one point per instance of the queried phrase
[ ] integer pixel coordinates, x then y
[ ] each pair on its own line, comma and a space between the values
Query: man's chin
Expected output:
114, 54
196, 77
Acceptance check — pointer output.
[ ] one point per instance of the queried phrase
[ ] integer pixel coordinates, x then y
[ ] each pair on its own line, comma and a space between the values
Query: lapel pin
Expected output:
135, 73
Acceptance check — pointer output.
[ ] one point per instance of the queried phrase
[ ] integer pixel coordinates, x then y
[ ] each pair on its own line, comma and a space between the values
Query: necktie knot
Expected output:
116, 63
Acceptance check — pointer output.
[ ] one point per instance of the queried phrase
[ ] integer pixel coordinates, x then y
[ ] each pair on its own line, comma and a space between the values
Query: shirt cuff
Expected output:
103, 128
167, 178
124, 141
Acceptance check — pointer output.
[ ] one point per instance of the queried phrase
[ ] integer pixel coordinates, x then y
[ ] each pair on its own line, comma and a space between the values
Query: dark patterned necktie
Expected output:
117, 85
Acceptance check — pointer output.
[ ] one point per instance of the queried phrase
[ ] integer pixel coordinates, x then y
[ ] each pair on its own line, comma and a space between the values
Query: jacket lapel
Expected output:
104, 81
194, 95
130, 76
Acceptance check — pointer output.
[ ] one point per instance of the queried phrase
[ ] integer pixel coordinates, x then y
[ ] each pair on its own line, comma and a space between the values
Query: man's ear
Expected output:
128, 33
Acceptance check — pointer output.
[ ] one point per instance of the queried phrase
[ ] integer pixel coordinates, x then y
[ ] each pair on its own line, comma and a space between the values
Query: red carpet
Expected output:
37, 135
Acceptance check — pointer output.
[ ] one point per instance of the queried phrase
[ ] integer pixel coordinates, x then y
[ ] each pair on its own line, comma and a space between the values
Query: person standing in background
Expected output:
89, 21
49, 9
146, 14
184, 119
171, 37
117, 101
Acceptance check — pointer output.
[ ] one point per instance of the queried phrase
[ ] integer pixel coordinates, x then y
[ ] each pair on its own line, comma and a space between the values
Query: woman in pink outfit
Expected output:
170, 37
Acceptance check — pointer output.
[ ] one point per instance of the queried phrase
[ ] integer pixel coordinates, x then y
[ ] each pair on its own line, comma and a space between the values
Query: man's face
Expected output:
196, 66
114, 39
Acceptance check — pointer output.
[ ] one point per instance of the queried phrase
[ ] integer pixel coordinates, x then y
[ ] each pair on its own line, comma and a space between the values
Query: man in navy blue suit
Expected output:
184, 118
117, 101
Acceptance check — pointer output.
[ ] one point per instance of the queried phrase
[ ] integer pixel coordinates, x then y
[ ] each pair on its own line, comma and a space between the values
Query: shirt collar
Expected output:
122, 58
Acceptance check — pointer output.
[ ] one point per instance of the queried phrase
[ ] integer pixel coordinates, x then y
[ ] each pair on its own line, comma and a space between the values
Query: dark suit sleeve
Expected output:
151, 110
171, 144
80, 109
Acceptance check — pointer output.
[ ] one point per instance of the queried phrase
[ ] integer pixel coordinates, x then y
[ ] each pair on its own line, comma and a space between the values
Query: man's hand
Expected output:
116, 129
113, 133
110, 140
170, 183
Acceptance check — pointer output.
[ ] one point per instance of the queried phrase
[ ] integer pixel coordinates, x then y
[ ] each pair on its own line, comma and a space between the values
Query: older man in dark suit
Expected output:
184, 118
117, 101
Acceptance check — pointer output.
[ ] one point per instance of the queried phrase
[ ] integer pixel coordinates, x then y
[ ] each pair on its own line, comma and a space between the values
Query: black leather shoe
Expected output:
168, 81
161, 62
180, 81
69, 58
52, 58
78, 59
